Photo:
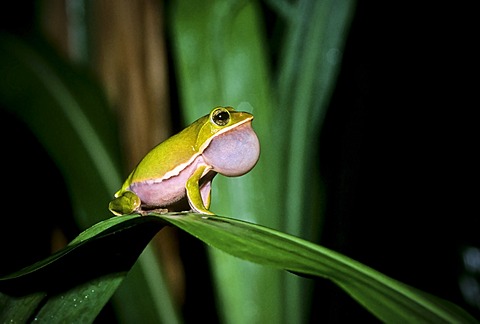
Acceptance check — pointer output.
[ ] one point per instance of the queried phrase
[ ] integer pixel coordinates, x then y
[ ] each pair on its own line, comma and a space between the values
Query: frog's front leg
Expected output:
126, 203
199, 196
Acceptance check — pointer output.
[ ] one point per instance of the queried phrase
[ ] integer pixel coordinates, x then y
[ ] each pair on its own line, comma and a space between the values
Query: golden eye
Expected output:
221, 116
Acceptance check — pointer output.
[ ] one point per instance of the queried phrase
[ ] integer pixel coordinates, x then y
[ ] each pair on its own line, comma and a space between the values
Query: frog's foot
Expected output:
125, 204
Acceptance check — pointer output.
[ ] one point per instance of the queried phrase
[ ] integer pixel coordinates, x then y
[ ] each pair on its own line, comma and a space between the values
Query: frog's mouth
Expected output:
235, 152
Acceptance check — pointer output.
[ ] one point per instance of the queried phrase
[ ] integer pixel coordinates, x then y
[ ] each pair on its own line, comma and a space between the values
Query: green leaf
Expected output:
219, 50
18, 309
388, 299
75, 283
310, 59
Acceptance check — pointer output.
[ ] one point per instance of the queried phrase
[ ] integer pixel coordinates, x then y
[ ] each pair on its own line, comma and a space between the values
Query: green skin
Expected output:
183, 167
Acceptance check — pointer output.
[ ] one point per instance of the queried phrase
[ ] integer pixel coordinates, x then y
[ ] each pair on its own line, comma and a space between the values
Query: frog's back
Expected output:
170, 156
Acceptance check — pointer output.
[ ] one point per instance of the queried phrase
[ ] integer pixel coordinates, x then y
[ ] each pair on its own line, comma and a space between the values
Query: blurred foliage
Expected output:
221, 58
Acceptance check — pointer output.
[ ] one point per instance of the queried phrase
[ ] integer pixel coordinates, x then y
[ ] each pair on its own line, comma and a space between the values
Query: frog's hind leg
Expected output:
206, 188
198, 188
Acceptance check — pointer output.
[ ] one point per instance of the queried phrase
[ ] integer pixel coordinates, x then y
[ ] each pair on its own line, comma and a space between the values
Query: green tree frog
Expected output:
181, 168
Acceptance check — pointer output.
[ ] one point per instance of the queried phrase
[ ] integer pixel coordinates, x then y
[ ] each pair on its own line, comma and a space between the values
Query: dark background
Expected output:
398, 149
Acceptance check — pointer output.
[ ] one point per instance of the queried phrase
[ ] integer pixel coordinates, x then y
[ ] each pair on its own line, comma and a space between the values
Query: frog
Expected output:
180, 169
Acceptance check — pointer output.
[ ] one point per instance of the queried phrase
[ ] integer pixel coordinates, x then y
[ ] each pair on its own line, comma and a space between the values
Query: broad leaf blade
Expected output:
123, 237
18, 309
82, 303
388, 299
76, 282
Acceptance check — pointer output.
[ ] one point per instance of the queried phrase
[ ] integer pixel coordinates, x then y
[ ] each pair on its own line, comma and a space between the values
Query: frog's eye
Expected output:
221, 116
